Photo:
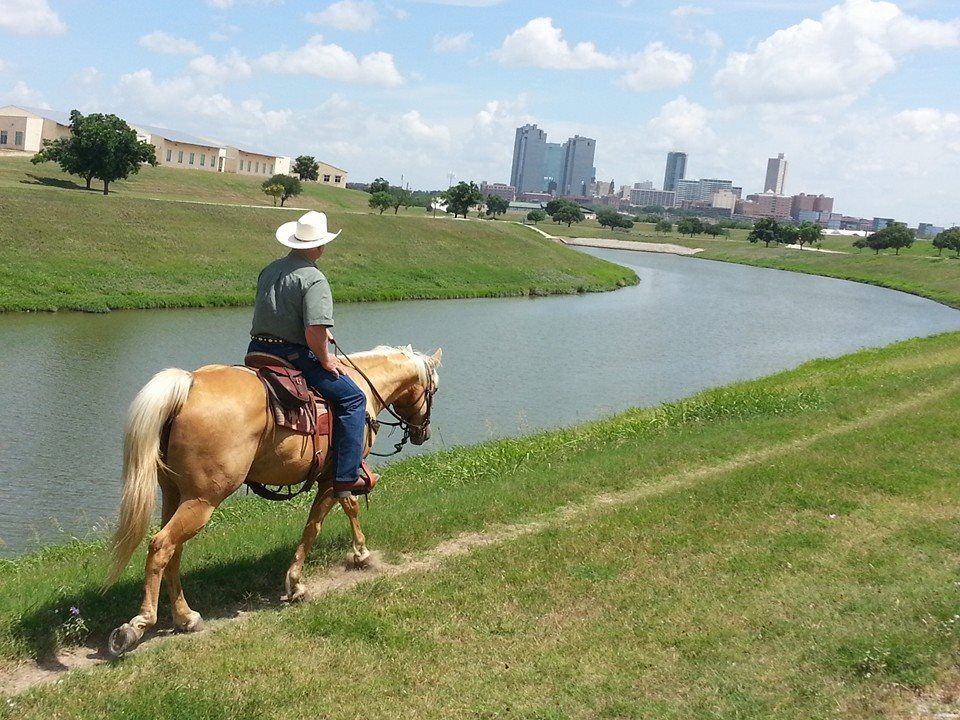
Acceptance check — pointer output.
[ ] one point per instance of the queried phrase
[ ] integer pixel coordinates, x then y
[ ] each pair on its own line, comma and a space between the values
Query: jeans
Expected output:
347, 401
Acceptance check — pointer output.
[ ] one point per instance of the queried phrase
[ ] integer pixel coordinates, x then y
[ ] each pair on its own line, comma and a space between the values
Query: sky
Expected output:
862, 96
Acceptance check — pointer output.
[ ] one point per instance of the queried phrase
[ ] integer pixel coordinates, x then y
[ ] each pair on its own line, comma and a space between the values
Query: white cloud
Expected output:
227, 4
682, 11
4, 66
347, 15
681, 124
224, 33
231, 67
540, 44
657, 67
334, 63
839, 56
30, 17
160, 42
415, 128
23, 94
931, 125
452, 43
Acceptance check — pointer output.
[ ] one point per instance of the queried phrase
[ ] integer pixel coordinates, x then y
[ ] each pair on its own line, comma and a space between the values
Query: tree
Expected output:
663, 226
100, 146
568, 213
378, 185
894, 235
291, 186
461, 197
949, 239
307, 167
497, 205
275, 191
765, 230
714, 230
789, 234
536, 216
608, 218
810, 234
860, 243
553, 206
690, 226
381, 201
399, 196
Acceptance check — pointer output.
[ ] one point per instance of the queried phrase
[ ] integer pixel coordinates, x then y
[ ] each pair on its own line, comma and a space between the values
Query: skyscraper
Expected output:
578, 169
529, 149
776, 175
553, 167
676, 170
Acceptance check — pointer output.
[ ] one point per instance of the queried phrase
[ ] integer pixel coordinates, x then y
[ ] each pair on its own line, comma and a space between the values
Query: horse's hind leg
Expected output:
351, 506
184, 619
188, 519
322, 503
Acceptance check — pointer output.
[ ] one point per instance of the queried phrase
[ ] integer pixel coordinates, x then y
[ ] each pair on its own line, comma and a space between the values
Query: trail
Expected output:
343, 579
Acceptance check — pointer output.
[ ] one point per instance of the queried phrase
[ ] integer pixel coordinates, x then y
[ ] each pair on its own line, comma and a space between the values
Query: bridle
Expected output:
405, 425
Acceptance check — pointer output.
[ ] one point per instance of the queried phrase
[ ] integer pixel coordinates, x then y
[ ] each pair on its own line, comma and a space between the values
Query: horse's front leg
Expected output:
296, 590
351, 506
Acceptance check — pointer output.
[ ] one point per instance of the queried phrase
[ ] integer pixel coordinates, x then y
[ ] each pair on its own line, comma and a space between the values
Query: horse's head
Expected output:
416, 402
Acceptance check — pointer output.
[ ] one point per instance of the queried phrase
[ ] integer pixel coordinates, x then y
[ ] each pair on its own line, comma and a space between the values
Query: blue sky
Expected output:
861, 95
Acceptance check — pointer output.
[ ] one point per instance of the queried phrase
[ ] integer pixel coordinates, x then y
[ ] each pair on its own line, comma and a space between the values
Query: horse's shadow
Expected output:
216, 590
53, 182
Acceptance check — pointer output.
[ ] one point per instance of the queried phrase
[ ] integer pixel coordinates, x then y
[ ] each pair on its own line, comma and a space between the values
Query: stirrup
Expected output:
363, 485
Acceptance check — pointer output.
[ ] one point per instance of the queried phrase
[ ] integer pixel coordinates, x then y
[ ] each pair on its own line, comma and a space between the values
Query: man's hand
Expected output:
333, 365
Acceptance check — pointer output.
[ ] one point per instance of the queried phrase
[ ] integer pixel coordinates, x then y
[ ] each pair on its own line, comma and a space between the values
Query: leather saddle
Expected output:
293, 403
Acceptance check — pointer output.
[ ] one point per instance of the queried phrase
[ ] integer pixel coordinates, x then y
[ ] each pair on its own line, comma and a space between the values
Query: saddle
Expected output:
293, 404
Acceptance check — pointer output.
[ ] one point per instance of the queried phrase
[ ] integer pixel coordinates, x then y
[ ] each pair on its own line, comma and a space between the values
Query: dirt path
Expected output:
614, 244
342, 579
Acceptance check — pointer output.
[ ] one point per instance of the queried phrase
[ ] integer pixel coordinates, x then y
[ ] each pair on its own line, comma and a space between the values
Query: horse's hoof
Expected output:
361, 561
122, 640
298, 595
193, 625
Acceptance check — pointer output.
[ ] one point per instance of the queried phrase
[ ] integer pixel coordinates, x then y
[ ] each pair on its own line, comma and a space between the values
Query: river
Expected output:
511, 366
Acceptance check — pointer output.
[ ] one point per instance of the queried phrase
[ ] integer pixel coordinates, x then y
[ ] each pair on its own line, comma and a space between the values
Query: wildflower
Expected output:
74, 611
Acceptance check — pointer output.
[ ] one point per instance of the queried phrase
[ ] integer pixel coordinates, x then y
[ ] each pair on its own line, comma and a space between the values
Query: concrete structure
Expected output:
529, 151
701, 192
23, 129
769, 205
578, 169
522, 208
535, 197
810, 203
675, 171
641, 197
725, 198
928, 230
776, 175
880, 223
507, 192
180, 150
601, 188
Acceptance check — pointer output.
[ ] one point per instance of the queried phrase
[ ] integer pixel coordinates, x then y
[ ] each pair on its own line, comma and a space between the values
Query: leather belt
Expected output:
274, 341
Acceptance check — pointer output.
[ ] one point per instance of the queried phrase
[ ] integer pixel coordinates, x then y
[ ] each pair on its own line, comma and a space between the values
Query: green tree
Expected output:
381, 201
399, 196
378, 185
789, 234
690, 226
948, 239
536, 216
663, 226
810, 234
765, 230
608, 217
714, 230
554, 205
497, 205
100, 146
275, 191
291, 186
307, 167
894, 235
461, 197
860, 243
568, 213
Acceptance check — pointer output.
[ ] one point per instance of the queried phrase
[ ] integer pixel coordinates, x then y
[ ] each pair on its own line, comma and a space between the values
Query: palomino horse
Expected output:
202, 435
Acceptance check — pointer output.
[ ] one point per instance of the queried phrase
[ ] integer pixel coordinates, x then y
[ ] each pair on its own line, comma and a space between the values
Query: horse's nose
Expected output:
421, 437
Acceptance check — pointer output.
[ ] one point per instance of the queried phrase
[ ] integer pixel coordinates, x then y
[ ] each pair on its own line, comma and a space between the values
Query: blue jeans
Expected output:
347, 401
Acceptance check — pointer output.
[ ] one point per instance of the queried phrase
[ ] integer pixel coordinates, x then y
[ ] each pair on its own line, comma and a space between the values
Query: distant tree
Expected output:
554, 205
378, 185
653, 209
895, 235
608, 217
274, 191
949, 239
810, 234
536, 216
652, 219
568, 213
307, 167
765, 230
497, 205
381, 201
399, 196
860, 243
291, 186
663, 226
714, 230
789, 234
100, 146
461, 197
690, 226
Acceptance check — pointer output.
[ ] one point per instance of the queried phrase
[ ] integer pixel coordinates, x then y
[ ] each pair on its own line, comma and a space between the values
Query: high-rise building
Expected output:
578, 169
553, 166
803, 203
529, 150
676, 170
776, 175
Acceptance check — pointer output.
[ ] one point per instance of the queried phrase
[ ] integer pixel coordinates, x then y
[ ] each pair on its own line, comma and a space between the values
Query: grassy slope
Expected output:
917, 270
808, 584
70, 249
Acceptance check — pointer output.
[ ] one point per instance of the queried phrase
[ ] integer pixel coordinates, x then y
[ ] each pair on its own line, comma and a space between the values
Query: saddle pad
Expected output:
293, 404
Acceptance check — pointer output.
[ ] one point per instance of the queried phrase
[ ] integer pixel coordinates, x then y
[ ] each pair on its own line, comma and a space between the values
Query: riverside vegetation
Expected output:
173, 238
781, 548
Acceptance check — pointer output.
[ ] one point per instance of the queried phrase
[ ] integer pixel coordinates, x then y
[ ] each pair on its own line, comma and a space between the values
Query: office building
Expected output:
529, 149
803, 203
578, 169
676, 170
776, 175
769, 205
694, 192
507, 192
928, 230
553, 157
642, 197
880, 223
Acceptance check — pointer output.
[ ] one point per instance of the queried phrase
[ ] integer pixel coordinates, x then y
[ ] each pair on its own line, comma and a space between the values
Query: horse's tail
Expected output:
158, 401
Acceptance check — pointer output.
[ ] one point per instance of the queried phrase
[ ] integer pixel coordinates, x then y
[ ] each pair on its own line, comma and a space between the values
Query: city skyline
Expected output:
376, 87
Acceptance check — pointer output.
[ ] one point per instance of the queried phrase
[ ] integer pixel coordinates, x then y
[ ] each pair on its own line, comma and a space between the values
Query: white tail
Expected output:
158, 401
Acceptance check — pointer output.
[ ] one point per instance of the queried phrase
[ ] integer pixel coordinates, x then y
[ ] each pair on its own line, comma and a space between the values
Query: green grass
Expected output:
65, 248
917, 270
817, 580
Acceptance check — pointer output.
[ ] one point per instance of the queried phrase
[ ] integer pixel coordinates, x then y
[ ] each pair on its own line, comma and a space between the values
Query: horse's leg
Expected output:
351, 506
322, 503
188, 519
184, 619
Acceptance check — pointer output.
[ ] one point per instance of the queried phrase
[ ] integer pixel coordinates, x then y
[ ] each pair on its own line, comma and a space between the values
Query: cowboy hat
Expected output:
309, 231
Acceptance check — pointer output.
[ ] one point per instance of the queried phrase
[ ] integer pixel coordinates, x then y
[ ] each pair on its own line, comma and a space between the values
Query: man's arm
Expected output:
318, 340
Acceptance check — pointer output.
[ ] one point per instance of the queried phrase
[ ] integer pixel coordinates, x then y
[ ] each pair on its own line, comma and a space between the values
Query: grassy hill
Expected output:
783, 548
174, 238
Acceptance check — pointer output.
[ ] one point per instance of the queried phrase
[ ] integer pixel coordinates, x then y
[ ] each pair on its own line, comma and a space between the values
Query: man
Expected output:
292, 318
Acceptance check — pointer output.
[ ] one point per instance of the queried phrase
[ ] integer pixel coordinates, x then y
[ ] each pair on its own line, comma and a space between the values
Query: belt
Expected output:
271, 340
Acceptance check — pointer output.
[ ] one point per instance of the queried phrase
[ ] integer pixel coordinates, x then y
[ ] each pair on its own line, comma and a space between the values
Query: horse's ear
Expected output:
435, 358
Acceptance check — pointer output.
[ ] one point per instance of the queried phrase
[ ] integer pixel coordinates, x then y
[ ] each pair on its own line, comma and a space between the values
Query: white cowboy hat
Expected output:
309, 231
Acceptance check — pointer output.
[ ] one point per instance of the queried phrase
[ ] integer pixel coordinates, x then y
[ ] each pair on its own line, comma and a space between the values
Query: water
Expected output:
510, 366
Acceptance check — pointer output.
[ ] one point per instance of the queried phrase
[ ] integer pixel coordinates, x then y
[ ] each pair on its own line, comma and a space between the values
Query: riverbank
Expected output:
781, 547
144, 246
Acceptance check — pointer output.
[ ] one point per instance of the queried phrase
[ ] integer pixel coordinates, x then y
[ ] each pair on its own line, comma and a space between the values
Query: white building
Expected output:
23, 129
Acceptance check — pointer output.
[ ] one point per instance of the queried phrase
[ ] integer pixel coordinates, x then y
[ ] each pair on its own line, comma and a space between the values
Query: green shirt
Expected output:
291, 294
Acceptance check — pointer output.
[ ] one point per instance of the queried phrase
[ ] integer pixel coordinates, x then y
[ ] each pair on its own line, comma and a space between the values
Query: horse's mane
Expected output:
424, 369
